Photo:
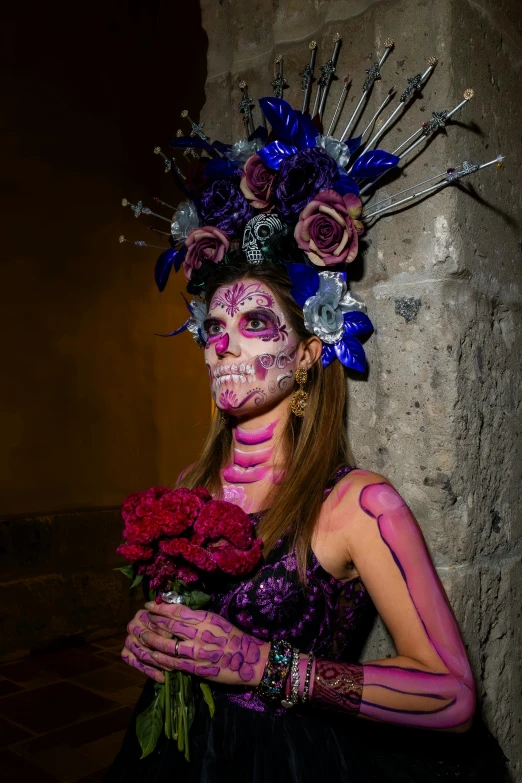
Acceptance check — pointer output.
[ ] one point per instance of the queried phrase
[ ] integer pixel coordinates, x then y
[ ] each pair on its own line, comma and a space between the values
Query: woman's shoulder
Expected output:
356, 480
351, 495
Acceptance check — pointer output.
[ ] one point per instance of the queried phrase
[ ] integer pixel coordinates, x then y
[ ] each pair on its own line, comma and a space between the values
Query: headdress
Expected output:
296, 193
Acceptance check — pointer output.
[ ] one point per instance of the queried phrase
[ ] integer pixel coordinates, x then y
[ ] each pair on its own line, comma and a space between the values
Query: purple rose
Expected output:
256, 183
328, 228
204, 244
301, 176
223, 205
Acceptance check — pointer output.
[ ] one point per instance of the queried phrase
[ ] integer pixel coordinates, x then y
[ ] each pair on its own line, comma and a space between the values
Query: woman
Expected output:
279, 327
338, 542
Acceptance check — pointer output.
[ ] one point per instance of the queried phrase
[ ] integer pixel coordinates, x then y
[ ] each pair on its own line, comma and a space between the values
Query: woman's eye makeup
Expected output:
213, 328
259, 322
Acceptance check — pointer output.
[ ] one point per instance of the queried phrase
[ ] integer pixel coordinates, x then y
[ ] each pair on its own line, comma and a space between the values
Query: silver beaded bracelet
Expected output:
293, 697
308, 675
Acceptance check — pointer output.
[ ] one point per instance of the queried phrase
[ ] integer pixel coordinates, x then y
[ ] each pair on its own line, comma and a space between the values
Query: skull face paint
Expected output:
245, 372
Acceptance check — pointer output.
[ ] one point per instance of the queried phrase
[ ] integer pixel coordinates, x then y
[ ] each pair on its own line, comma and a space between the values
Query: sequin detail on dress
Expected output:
323, 618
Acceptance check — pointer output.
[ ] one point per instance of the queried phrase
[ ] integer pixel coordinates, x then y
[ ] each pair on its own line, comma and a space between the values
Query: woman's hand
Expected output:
135, 653
203, 643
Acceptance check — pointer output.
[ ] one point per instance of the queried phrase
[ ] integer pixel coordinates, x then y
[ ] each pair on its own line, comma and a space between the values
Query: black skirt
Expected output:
240, 745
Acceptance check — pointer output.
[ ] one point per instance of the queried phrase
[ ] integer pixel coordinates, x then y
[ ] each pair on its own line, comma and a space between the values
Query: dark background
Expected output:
92, 404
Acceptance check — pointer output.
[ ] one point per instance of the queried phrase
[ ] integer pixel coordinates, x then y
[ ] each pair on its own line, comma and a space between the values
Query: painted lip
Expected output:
233, 373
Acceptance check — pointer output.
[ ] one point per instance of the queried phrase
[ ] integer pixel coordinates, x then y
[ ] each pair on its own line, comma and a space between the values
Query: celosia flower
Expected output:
135, 552
328, 228
191, 552
189, 535
234, 561
220, 519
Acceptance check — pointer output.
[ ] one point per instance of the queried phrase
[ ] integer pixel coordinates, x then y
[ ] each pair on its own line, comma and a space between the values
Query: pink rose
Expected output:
256, 183
328, 229
204, 244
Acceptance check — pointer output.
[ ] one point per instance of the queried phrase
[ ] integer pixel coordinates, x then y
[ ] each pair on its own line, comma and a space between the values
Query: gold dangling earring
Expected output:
299, 398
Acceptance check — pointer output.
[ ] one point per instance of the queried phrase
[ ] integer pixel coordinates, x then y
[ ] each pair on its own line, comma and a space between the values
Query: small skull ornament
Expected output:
257, 231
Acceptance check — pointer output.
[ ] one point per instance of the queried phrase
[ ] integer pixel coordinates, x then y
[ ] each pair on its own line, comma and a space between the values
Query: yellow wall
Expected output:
92, 404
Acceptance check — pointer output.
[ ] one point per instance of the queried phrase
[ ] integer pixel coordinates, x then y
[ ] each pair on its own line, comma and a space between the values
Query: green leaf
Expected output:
137, 580
128, 570
209, 699
149, 724
196, 599
176, 585
152, 595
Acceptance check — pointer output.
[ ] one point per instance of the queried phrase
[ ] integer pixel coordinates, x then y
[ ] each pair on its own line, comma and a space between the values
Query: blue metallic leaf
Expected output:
355, 323
351, 353
181, 329
281, 117
275, 153
179, 258
327, 355
344, 184
306, 132
373, 163
305, 280
353, 144
217, 168
163, 267
192, 141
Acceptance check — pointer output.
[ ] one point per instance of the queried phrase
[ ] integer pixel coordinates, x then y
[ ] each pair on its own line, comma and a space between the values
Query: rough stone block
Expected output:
437, 411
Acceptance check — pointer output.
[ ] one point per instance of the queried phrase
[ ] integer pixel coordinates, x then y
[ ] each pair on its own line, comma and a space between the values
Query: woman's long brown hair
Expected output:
314, 446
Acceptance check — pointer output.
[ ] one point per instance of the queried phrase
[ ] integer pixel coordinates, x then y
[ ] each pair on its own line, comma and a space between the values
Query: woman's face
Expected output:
251, 351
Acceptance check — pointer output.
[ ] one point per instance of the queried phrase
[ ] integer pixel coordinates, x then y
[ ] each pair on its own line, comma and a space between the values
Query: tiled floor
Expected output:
63, 714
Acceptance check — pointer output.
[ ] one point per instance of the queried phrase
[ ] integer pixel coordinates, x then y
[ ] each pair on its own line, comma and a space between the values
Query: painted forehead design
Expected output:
230, 299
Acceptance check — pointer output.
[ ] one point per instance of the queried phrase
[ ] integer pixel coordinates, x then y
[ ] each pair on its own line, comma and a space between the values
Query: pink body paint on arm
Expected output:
403, 538
390, 692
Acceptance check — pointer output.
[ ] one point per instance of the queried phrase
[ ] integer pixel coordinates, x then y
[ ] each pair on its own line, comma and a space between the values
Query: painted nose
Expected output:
225, 346
222, 345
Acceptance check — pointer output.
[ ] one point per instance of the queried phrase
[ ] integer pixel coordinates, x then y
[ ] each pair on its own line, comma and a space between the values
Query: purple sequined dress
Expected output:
251, 742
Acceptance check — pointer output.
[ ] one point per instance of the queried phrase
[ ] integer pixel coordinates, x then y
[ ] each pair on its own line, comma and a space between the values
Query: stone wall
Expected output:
58, 586
437, 413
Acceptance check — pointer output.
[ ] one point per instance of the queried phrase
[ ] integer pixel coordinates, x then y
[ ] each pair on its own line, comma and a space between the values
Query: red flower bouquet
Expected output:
180, 541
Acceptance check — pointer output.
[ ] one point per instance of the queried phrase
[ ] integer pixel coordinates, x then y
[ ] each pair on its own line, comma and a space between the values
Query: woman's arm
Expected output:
429, 683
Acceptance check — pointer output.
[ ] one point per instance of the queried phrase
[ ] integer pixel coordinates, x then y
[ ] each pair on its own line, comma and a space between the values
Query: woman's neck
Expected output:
257, 461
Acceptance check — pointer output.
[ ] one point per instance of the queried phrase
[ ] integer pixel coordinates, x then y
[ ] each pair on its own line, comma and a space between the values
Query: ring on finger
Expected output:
176, 654
140, 637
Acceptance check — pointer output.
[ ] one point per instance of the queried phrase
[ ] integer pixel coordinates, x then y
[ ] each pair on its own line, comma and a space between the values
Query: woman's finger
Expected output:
150, 671
168, 646
142, 622
144, 618
175, 611
177, 628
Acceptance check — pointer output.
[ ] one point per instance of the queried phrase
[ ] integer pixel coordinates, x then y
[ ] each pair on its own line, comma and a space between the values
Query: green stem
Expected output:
168, 707
181, 733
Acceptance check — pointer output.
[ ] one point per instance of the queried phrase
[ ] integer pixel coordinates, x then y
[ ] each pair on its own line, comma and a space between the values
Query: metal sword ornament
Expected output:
246, 108
279, 84
327, 74
308, 77
373, 73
